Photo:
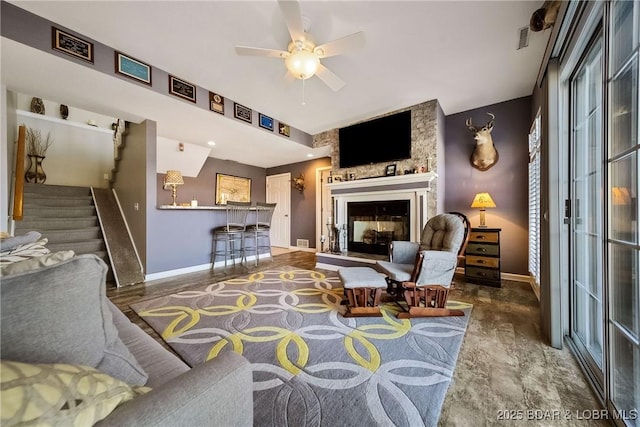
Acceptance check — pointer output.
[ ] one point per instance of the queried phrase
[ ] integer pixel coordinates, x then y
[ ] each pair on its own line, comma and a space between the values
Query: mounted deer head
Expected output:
484, 153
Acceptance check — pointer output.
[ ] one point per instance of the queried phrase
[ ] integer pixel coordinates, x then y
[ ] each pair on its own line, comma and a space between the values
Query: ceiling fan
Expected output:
302, 57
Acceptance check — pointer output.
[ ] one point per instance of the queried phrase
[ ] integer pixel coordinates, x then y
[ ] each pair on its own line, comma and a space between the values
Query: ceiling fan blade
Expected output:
293, 18
341, 45
258, 51
329, 78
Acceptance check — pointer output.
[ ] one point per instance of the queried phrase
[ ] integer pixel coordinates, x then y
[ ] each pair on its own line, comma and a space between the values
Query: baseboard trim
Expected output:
195, 268
515, 277
505, 276
297, 248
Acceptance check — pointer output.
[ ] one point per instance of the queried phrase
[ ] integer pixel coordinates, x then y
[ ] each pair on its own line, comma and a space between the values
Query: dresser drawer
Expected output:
484, 236
482, 273
482, 249
482, 261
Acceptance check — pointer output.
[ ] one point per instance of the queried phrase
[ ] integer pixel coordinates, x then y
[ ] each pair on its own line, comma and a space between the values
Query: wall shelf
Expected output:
51, 119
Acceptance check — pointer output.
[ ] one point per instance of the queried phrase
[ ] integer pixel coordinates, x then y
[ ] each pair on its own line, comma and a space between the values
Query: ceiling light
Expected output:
211, 143
309, 155
302, 64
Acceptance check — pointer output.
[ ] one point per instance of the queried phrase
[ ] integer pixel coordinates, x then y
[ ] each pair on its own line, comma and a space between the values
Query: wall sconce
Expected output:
298, 183
173, 179
482, 201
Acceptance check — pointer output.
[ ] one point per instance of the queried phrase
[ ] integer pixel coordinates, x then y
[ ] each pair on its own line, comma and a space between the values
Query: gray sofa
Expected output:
60, 314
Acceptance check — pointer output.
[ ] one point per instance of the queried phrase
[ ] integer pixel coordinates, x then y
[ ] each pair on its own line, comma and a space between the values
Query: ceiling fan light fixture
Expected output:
302, 64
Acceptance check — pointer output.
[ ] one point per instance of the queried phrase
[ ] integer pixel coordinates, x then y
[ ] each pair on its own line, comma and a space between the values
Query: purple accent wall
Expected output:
507, 181
303, 205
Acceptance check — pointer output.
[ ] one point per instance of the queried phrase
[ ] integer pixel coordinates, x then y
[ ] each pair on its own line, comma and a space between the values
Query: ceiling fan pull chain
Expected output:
303, 103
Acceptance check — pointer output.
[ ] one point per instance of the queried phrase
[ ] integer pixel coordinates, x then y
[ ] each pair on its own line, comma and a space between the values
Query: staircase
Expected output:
64, 215
70, 219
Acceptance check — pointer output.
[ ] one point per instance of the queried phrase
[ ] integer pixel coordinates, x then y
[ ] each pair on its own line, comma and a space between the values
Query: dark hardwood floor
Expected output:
504, 363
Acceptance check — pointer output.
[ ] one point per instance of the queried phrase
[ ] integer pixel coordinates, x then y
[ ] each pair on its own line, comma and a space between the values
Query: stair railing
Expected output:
18, 190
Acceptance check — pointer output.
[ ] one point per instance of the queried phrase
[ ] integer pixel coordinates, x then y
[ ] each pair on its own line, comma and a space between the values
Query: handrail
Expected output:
18, 194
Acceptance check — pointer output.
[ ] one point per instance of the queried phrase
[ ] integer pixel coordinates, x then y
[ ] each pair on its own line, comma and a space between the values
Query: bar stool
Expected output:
231, 234
260, 230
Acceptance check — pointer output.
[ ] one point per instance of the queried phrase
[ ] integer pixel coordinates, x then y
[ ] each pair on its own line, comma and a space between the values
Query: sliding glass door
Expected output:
586, 233
600, 88
622, 191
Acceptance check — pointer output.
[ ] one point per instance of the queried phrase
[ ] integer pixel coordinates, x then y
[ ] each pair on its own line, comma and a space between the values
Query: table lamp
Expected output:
173, 178
482, 201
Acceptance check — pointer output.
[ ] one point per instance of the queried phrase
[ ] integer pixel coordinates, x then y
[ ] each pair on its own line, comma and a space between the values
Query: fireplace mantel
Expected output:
412, 187
403, 181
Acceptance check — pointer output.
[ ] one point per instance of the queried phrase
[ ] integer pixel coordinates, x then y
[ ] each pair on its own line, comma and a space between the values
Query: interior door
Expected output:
279, 192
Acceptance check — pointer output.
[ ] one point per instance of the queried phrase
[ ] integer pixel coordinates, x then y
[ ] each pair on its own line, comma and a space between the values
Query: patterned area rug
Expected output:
312, 366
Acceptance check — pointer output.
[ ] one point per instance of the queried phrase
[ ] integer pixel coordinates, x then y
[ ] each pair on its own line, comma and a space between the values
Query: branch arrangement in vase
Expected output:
36, 146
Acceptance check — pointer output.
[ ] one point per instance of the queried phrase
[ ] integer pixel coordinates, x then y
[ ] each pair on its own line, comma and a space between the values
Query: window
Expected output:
534, 201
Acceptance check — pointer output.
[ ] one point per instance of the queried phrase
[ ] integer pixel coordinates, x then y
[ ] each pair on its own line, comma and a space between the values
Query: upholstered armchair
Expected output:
423, 272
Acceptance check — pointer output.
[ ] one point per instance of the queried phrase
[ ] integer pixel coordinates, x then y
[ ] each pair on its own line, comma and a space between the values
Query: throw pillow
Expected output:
35, 263
59, 314
10, 242
26, 251
58, 394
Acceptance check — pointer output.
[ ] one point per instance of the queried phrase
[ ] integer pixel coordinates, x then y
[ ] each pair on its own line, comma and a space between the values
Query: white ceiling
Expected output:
461, 53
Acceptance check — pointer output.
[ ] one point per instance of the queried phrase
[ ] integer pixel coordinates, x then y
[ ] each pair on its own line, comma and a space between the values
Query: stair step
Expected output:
56, 190
40, 200
85, 247
72, 235
38, 212
56, 224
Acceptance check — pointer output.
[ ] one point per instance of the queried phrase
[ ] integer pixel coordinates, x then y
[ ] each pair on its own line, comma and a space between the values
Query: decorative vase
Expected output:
37, 106
35, 174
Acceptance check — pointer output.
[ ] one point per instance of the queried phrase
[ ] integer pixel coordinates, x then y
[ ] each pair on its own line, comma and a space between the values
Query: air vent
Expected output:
302, 243
523, 37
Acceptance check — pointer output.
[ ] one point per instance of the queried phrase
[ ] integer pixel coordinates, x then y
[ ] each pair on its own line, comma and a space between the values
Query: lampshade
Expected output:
483, 200
620, 196
302, 63
173, 178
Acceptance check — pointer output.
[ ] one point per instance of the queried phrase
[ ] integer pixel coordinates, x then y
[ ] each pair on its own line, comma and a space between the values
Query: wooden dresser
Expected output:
482, 257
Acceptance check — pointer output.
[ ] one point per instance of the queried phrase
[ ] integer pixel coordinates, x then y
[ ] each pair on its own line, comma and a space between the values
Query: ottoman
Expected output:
363, 286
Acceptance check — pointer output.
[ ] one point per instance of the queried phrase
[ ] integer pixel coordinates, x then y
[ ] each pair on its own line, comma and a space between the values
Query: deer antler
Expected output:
470, 125
490, 124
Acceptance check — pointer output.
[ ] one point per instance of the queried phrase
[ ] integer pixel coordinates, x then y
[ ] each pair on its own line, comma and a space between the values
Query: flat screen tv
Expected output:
380, 140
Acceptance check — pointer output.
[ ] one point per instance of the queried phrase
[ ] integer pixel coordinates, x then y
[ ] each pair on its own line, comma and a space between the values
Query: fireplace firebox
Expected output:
373, 225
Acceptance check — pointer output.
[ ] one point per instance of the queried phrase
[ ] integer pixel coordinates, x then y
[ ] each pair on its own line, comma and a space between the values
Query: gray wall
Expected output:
507, 181
303, 205
203, 187
182, 238
132, 184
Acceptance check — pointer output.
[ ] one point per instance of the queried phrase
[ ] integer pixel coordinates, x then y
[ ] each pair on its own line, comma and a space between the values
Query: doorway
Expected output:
279, 192
323, 206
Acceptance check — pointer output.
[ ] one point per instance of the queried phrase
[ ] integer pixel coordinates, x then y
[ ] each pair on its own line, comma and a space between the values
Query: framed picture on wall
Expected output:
182, 88
232, 188
72, 45
133, 68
